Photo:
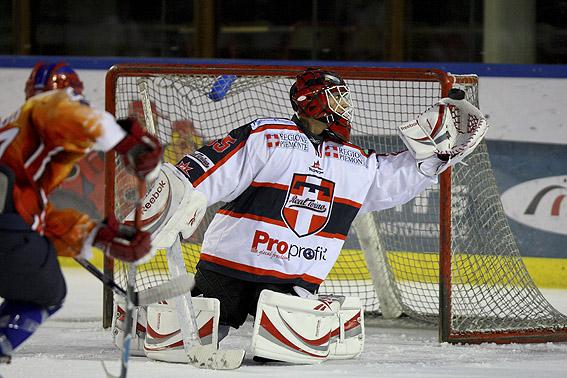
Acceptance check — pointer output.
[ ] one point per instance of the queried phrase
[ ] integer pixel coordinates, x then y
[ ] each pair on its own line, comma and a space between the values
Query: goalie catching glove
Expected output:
171, 206
444, 134
140, 150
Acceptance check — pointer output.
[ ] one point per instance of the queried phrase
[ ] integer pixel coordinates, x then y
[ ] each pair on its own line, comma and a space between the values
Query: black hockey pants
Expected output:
238, 298
29, 270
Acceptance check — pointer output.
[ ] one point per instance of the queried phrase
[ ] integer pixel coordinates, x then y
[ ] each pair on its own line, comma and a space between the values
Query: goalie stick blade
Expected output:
206, 358
172, 288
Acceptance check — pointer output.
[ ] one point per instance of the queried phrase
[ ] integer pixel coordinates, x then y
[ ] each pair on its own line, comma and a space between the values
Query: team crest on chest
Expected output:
308, 204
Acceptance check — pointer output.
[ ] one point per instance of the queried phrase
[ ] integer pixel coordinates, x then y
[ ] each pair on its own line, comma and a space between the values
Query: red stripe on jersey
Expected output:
274, 127
228, 213
328, 235
348, 202
258, 271
218, 164
269, 185
252, 217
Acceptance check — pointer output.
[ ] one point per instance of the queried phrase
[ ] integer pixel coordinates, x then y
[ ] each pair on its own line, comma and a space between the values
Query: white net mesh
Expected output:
491, 288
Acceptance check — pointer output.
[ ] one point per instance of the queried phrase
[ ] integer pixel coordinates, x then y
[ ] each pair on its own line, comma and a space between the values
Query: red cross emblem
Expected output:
272, 140
332, 151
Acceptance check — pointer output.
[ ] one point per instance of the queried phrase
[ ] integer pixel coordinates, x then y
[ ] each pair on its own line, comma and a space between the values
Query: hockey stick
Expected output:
199, 356
130, 298
131, 277
169, 289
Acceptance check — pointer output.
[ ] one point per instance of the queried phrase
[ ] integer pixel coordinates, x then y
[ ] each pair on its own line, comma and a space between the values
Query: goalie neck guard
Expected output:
45, 77
324, 96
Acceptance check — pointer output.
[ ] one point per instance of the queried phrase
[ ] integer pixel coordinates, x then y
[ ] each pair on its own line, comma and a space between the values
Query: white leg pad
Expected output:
164, 341
138, 324
347, 336
293, 329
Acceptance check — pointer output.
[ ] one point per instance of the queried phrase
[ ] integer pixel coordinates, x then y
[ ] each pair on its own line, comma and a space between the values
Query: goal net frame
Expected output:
553, 327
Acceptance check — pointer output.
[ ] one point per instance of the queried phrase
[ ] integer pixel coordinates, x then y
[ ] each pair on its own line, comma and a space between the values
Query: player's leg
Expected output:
232, 294
31, 281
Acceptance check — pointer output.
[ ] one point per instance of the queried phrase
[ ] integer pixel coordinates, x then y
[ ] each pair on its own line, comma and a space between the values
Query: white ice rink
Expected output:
73, 344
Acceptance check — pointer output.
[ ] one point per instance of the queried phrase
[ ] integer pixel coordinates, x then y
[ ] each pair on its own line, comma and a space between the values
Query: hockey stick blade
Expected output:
206, 358
172, 288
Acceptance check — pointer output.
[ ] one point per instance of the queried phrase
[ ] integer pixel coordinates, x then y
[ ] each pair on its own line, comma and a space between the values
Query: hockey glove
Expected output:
123, 242
141, 150
444, 134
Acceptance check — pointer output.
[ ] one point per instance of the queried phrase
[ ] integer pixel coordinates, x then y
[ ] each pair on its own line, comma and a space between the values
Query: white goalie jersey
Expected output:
290, 199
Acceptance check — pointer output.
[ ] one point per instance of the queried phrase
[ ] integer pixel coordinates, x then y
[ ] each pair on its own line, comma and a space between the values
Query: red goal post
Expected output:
448, 257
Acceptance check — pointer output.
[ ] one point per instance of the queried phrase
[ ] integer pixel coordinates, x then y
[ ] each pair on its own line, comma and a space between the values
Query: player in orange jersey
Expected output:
39, 144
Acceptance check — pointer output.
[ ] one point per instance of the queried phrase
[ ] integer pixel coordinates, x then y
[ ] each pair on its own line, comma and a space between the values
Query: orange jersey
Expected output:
40, 143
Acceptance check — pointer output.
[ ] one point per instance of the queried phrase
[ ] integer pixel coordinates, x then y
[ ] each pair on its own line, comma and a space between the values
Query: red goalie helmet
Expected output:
324, 96
45, 77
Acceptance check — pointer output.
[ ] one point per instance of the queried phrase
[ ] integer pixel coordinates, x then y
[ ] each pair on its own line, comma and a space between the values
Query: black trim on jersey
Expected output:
267, 202
215, 151
245, 276
260, 201
341, 218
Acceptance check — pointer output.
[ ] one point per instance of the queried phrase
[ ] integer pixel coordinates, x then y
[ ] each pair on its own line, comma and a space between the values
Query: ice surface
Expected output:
73, 344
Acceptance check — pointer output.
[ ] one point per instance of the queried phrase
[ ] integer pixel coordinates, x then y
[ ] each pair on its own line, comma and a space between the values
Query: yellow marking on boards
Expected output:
408, 266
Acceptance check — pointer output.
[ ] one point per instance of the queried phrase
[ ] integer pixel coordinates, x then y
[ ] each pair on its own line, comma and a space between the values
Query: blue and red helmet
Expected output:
45, 77
324, 96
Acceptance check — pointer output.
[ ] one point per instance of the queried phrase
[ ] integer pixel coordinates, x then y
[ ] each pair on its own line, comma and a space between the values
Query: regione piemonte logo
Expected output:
540, 203
308, 204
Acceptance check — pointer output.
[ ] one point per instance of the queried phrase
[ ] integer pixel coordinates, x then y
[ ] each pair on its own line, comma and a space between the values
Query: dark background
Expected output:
490, 31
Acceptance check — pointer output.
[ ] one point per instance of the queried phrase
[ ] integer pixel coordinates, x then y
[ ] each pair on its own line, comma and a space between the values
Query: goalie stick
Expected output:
198, 355
169, 289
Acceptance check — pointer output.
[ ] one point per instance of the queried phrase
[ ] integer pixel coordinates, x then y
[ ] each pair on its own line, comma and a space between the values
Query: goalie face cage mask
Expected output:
45, 77
324, 96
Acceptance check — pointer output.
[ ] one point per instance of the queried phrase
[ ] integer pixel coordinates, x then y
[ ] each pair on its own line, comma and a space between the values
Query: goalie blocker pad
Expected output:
164, 341
171, 206
307, 331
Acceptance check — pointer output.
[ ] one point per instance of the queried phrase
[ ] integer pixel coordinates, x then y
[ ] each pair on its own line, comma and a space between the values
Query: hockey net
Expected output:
446, 257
